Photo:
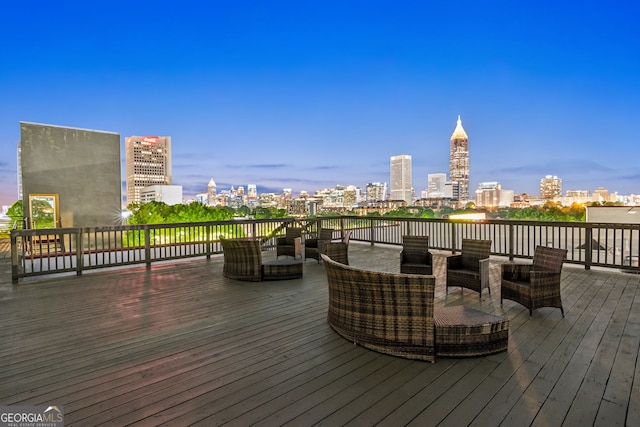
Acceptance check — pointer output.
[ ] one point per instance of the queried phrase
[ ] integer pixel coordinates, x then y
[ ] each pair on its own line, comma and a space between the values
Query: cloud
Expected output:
265, 166
558, 168
326, 168
630, 177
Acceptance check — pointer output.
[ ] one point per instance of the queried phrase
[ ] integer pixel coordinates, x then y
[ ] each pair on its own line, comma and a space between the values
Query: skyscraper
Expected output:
435, 185
550, 187
459, 160
148, 162
401, 187
376, 192
211, 193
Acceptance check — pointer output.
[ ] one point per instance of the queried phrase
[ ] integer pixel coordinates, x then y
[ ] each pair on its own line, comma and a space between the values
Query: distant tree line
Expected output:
161, 213
549, 212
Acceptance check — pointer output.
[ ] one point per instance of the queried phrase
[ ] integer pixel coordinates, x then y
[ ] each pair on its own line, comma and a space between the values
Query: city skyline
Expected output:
323, 94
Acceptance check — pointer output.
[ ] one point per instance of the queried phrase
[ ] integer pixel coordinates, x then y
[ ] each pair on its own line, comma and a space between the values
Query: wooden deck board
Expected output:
182, 345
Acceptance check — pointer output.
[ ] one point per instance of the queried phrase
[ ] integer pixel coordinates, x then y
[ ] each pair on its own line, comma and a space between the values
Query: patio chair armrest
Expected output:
513, 271
541, 276
484, 272
429, 258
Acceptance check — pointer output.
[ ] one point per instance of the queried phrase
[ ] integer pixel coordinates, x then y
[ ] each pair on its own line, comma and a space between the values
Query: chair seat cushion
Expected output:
416, 268
414, 257
516, 284
463, 273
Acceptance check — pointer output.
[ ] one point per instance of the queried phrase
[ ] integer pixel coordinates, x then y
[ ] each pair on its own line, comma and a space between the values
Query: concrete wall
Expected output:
614, 214
81, 166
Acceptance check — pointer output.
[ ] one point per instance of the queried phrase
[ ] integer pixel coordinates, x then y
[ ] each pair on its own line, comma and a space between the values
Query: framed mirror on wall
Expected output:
43, 210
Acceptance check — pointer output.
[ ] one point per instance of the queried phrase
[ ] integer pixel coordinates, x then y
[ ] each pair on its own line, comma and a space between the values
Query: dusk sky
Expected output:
312, 94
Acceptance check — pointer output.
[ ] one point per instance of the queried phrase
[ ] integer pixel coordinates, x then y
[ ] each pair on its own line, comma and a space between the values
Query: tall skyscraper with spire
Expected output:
459, 160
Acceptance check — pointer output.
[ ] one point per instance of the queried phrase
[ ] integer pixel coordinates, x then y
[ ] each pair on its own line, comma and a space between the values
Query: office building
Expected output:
376, 192
211, 193
436, 185
148, 162
550, 187
252, 192
401, 185
19, 180
168, 194
491, 195
452, 190
459, 160
601, 195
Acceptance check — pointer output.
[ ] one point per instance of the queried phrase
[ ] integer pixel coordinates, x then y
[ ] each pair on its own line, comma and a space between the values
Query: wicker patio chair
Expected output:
470, 268
385, 312
242, 259
537, 284
290, 244
337, 251
346, 237
314, 246
415, 257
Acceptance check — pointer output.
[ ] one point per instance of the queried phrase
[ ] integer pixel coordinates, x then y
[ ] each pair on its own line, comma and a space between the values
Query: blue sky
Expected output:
311, 94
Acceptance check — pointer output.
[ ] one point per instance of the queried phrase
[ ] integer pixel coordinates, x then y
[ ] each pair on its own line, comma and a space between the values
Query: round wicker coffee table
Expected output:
463, 331
282, 269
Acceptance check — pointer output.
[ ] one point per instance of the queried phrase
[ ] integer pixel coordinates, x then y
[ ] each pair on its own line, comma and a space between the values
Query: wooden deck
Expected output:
181, 345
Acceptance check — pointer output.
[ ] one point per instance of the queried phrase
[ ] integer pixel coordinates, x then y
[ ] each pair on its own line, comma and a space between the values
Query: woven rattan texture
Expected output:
535, 285
386, 312
463, 331
415, 257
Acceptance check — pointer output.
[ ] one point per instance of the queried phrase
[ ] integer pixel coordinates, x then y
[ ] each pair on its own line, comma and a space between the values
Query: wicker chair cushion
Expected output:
415, 257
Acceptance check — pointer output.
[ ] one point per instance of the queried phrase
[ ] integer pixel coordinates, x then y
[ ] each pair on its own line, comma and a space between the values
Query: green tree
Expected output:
444, 212
149, 213
15, 212
427, 213
262, 213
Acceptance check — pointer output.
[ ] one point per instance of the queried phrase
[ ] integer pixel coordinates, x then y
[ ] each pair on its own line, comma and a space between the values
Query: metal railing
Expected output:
59, 250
